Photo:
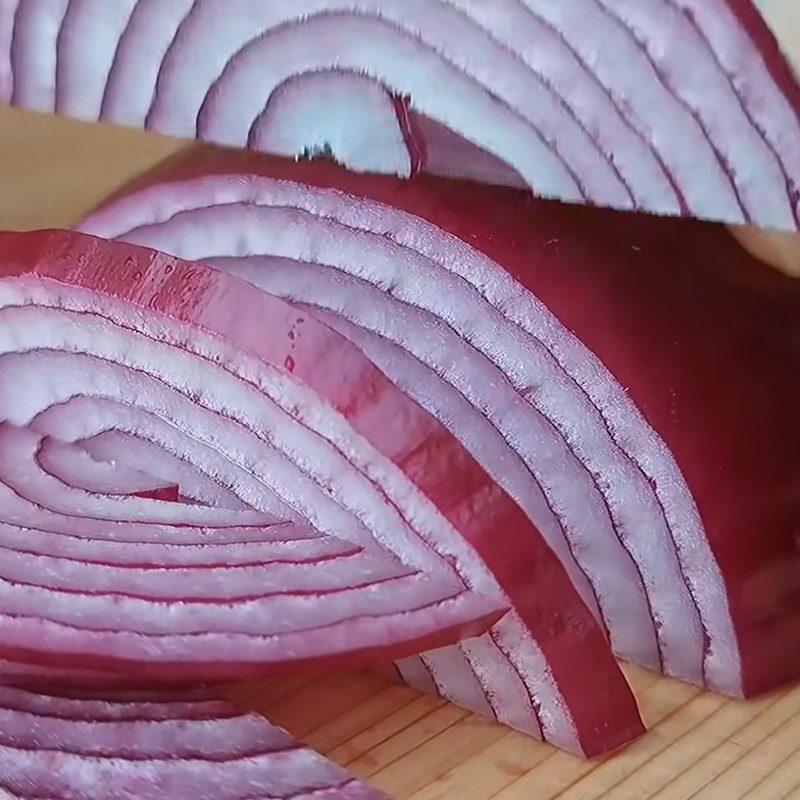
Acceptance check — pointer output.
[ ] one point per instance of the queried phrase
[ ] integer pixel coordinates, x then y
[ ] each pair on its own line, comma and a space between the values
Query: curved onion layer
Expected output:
75, 467
612, 478
57, 747
26, 675
283, 403
669, 106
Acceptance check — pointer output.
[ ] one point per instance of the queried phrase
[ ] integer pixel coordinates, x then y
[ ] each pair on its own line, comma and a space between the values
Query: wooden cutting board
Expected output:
700, 745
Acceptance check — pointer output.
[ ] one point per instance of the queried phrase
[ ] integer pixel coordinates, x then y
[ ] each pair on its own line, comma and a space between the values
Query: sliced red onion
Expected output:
614, 488
22, 471
57, 747
669, 106
200, 468
100, 328
74, 467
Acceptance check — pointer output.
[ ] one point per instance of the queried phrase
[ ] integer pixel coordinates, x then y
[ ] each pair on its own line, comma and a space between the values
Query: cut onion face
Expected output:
58, 747
269, 401
289, 602
145, 455
668, 106
646, 502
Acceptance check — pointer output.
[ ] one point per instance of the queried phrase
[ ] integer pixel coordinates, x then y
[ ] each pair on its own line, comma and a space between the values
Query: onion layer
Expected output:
74, 466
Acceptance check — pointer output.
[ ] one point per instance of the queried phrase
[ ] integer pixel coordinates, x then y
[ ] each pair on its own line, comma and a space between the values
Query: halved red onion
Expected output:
94, 330
669, 106
466, 299
57, 747
75, 467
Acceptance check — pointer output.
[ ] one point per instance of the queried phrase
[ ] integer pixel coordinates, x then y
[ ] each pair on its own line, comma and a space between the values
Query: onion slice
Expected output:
669, 106
53, 746
180, 351
519, 335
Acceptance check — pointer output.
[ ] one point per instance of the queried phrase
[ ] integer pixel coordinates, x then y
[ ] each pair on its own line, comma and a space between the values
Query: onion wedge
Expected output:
288, 603
668, 106
517, 324
134, 339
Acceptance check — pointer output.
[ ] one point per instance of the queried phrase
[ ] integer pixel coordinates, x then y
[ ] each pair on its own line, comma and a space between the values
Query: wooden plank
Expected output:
734, 745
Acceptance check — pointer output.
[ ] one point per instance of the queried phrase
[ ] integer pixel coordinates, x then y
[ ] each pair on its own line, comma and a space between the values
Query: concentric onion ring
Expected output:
74, 467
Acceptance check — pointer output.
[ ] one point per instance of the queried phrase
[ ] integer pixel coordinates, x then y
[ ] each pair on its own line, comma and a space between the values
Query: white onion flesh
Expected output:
73, 466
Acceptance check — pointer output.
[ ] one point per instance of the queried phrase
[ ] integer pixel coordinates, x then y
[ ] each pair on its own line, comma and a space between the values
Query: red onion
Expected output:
519, 335
266, 399
156, 589
56, 747
670, 106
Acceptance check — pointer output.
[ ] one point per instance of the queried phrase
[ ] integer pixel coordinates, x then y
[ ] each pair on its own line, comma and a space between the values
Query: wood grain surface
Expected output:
700, 746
